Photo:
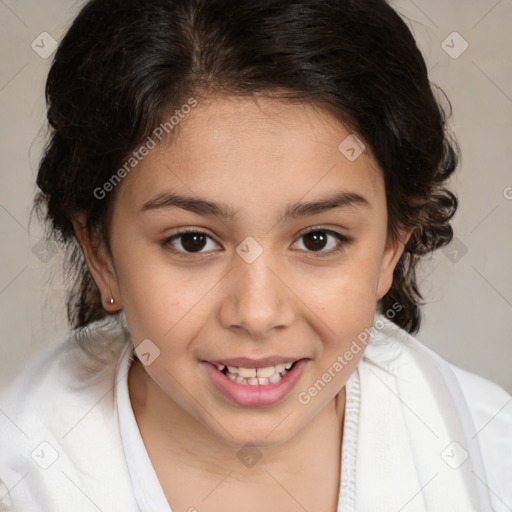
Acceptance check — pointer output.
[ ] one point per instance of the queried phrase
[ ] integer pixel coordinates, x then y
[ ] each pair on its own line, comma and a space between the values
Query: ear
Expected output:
392, 253
100, 265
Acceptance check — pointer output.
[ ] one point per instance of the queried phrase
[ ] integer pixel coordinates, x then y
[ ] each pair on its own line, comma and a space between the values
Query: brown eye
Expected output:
191, 242
315, 240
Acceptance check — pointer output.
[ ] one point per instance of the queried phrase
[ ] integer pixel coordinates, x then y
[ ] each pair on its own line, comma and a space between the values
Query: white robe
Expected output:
420, 434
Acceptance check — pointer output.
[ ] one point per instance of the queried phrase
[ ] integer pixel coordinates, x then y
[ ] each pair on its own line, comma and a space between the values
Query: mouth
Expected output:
262, 375
255, 385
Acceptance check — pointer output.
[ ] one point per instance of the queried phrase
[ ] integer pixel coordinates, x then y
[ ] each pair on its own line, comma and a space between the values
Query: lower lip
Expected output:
250, 396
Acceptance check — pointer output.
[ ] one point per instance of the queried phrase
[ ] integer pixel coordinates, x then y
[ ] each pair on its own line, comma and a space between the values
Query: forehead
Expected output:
247, 151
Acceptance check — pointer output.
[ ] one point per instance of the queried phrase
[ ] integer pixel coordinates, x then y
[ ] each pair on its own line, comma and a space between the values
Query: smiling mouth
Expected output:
255, 386
257, 376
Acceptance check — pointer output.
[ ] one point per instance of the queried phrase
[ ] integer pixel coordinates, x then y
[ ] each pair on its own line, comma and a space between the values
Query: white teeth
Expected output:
256, 376
247, 373
268, 371
275, 378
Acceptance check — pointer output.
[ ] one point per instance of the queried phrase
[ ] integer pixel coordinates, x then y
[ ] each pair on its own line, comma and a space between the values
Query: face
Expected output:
263, 272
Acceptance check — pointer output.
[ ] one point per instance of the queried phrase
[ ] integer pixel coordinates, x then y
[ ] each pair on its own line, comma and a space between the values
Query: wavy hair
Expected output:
123, 65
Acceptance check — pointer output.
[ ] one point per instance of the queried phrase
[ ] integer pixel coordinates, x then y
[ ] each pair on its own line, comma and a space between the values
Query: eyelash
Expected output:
343, 241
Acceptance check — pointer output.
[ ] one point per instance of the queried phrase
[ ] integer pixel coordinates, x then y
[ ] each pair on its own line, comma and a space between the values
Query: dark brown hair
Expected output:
123, 65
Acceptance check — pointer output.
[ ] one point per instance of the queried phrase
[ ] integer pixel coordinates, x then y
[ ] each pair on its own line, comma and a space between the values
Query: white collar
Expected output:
146, 487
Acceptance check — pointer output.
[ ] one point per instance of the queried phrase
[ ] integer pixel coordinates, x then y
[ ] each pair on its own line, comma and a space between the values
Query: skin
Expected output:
213, 304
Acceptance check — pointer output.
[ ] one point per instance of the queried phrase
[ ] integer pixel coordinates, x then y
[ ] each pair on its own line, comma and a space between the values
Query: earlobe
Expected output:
100, 265
392, 254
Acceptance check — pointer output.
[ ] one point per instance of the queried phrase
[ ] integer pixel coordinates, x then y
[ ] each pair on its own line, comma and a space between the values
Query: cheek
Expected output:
165, 304
152, 284
346, 291
343, 302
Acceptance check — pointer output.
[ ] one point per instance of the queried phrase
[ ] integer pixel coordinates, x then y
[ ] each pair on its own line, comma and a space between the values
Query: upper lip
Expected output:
246, 362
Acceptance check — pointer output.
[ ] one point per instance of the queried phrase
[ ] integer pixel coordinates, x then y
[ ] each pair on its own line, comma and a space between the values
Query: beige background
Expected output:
468, 319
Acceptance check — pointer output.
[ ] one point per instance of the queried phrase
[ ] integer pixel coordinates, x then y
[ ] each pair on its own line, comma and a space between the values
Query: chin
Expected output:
258, 433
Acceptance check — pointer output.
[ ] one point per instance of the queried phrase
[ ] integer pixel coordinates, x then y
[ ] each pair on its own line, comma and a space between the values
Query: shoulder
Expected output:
489, 406
486, 398
481, 394
491, 409
73, 368
58, 420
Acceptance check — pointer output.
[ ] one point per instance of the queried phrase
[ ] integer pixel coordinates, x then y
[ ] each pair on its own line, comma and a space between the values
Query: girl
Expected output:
245, 189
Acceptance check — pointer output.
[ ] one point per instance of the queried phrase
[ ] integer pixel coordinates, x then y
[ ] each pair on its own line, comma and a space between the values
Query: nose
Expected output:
258, 298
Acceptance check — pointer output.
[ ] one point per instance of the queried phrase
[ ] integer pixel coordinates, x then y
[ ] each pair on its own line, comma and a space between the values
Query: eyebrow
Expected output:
204, 207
